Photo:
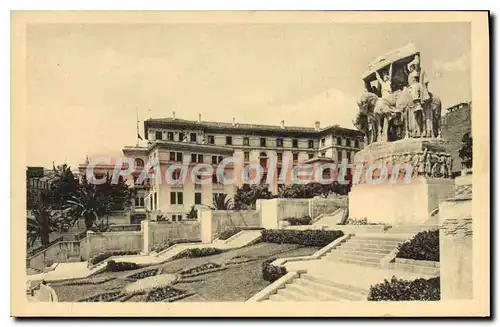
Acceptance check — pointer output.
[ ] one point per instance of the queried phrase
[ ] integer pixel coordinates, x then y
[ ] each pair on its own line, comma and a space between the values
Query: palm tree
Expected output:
89, 205
221, 202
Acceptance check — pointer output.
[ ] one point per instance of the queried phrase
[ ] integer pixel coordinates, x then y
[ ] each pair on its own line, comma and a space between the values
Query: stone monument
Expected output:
404, 171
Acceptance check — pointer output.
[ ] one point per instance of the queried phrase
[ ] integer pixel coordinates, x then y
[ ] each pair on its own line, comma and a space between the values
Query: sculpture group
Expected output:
396, 103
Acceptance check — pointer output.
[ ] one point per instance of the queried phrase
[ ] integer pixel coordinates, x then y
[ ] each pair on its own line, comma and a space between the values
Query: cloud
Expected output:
461, 63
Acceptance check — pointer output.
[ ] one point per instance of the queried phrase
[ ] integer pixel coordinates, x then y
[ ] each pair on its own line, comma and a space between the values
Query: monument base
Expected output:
399, 204
406, 199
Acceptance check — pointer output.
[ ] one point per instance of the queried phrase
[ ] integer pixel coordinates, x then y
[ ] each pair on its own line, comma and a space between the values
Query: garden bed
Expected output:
104, 297
143, 274
166, 294
201, 270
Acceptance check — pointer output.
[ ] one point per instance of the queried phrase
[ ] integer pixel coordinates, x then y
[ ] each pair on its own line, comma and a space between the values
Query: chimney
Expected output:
234, 121
199, 118
282, 124
173, 115
316, 125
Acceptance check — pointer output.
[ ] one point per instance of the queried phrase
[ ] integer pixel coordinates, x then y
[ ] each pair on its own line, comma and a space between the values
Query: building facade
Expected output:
178, 147
455, 124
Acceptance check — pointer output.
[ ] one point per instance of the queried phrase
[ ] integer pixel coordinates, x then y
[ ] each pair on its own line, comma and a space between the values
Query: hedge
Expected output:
404, 290
293, 221
318, 238
225, 234
114, 266
165, 244
105, 255
424, 246
271, 272
198, 252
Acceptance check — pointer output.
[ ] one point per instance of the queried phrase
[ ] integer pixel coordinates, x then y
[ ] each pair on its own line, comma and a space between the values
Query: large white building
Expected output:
172, 142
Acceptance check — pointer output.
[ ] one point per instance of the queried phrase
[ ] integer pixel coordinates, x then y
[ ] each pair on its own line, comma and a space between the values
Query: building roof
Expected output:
193, 147
245, 128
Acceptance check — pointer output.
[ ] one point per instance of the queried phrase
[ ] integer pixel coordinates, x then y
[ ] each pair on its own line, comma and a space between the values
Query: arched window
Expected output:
139, 162
263, 159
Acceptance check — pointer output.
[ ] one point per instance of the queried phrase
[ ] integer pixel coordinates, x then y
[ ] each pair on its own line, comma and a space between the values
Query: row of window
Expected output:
193, 137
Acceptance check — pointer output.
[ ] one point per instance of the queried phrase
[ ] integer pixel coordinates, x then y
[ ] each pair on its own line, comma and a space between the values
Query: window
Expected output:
339, 156
246, 141
176, 198
181, 136
179, 156
246, 156
211, 139
214, 160
197, 198
326, 173
139, 162
356, 143
176, 174
158, 135
193, 137
176, 217
323, 154
139, 202
214, 179
310, 155
200, 158
220, 158
262, 141
172, 156
348, 142
155, 201
295, 157
349, 156
170, 136
280, 156
229, 140
196, 158
279, 142
263, 159
310, 144
322, 142
339, 140
295, 143
193, 157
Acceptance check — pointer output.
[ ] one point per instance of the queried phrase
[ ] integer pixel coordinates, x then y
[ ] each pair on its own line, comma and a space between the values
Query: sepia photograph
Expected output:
250, 163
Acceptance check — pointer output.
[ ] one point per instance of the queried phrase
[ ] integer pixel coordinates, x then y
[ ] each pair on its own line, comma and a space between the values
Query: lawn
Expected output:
236, 283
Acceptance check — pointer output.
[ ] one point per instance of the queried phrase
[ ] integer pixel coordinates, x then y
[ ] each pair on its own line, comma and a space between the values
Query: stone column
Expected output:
455, 242
206, 226
146, 236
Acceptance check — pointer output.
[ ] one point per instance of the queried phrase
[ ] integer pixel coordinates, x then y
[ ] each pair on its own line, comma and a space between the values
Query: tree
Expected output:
63, 186
45, 220
93, 203
465, 153
221, 202
247, 195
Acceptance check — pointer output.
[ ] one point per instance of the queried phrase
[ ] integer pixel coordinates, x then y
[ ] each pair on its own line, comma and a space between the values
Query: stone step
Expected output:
374, 242
347, 251
328, 292
291, 294
351, 261
300, 292
327, 282
431, 271
381, 238
366, 249
360, 257
277, 297
371, 246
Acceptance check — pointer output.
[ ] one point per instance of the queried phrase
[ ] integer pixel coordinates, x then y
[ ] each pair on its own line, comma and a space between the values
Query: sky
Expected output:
86, 82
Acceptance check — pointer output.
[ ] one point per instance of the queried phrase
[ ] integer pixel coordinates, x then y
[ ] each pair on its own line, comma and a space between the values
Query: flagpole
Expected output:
137, 123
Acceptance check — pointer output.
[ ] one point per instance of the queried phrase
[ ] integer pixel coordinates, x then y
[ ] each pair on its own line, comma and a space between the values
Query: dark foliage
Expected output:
103, 297
163, 294
271, 272
317, 238
165, 244
199, 252
404, 290
103, 256
144, 274
227, 233
310, 190
199, 269
293, 221
114, 266
247, 195
465, 153
424, 246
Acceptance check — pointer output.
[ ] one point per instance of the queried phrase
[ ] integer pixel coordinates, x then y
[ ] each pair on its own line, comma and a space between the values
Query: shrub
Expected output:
105, 255
293, 221
143, 274
165, 244
302, 237
199, 269
404, 290
121, 266
363, 221
196, 253
165, 293
225, 234
424, 246
271, 272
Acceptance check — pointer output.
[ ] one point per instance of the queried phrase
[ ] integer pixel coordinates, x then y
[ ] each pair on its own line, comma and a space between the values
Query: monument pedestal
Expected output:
411, 178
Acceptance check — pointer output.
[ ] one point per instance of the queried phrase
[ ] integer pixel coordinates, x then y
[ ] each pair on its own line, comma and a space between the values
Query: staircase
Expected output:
364, 250
309, 288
